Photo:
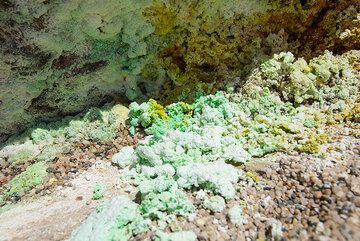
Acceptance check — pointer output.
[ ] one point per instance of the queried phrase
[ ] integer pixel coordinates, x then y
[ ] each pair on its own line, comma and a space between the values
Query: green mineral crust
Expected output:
213, 84
115, 219
59, 58
201, 145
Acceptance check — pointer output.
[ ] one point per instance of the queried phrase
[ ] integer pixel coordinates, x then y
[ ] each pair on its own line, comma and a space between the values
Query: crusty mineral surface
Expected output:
58, 58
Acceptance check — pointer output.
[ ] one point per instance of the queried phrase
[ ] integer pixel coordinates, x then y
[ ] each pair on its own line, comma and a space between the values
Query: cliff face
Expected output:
61, 57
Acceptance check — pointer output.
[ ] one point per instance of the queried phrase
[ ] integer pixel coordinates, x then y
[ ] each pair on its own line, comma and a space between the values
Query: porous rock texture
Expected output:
60, 57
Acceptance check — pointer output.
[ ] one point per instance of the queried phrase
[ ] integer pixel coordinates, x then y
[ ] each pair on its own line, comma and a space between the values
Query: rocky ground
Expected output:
53, 216
294, 197
286, 196
67, 166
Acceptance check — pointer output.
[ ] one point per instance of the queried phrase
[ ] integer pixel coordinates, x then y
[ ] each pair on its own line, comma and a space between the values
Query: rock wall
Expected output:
60, 57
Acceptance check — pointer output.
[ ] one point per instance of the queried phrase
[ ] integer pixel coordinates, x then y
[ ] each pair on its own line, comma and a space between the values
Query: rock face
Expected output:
60, 57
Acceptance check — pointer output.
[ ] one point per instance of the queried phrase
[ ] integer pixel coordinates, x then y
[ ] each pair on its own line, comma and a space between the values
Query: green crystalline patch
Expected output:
179, 148
310, 123
50, 152
21, 156
313, 143
215, 204
158, 205
98, 125
115, 219
157, 119
101, 133
145, 114
199, 145
125, 157
235, 214
31, 177
98, 192
216, 176
326, 78
157, 185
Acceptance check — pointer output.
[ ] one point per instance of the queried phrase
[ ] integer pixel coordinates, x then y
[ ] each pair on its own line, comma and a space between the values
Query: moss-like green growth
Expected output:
41, 136
327, 78
21, 156
157, 111
31, 177
98, 192
98, 125
44, 143
71, 54
50, 152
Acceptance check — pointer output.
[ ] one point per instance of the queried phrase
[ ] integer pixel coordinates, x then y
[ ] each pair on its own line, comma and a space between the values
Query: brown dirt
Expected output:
66, 166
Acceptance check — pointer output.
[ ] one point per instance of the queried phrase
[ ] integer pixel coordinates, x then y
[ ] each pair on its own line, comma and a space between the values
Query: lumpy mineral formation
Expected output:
58, 58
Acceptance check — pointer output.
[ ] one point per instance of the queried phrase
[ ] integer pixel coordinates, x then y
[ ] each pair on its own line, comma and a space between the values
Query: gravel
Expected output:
67, 166
297, 197
287, 196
